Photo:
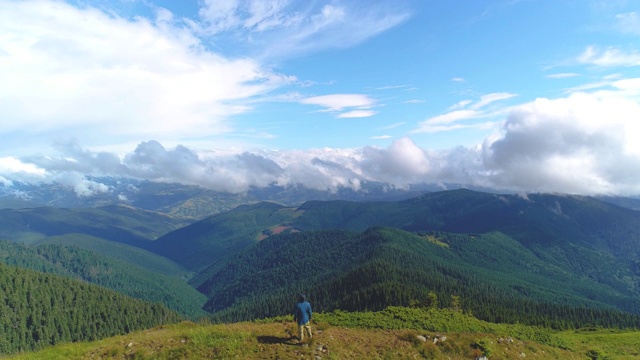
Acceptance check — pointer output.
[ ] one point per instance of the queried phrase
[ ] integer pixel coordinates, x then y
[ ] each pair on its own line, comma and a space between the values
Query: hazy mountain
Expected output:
118, 223
188, 200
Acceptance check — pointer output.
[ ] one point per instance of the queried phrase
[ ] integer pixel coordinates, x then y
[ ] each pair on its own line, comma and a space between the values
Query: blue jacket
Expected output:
302, 312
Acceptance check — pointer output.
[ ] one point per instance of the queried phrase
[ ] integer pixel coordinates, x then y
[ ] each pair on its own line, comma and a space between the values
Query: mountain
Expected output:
187, 201
553, 227
117, 223
497, 278
551, 250
207, 241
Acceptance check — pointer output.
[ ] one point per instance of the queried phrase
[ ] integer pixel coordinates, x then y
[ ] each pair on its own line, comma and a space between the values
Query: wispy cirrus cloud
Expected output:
458, 115
356, 114
346, 105
489, 98
562, 75
628, 23
285, 28
609, 57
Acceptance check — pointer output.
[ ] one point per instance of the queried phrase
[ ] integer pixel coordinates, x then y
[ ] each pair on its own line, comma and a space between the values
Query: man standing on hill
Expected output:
302, 315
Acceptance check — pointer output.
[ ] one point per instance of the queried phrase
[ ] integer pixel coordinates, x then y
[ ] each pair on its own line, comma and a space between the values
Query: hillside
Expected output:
207, 241
396, 333
125, 278
380, 267
122, 252
42, 309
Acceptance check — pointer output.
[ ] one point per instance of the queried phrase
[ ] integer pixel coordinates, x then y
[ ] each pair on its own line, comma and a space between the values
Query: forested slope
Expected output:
125, 278
380, 267
205, 242
41, 309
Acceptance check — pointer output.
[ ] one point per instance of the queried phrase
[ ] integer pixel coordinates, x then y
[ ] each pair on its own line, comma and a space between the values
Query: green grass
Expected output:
608, 343
341, 335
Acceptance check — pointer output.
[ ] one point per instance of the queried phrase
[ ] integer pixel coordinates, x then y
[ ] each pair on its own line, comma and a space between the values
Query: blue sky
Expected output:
524, 96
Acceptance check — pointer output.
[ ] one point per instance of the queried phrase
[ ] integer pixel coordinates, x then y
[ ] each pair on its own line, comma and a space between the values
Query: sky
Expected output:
511, 95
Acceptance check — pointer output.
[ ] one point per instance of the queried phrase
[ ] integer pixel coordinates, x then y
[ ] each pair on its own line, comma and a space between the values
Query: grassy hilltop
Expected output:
395, 333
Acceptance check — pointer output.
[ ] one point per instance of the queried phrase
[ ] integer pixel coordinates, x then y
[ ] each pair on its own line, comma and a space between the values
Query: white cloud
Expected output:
357, 114
451, 117
460, 104
585, 143
11, 165
401, 163
609, 57
252, 16
92, 75
562, 75
458, 79
282, 28
451, 120
628, 23
356, 105
489, 98
632, 84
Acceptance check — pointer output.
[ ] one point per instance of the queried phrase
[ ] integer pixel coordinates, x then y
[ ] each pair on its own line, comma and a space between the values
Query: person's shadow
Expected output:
270, 339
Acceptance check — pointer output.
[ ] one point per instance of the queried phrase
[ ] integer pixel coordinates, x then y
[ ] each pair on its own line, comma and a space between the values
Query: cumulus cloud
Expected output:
403, 162
585, 143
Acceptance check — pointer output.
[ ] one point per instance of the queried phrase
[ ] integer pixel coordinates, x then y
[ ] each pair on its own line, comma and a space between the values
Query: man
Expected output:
302, 315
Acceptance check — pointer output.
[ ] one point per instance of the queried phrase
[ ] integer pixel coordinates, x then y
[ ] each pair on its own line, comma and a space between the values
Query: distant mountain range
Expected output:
190, 201
196, 203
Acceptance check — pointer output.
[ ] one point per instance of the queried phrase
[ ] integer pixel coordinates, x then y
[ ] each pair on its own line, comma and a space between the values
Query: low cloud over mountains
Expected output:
560, 145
